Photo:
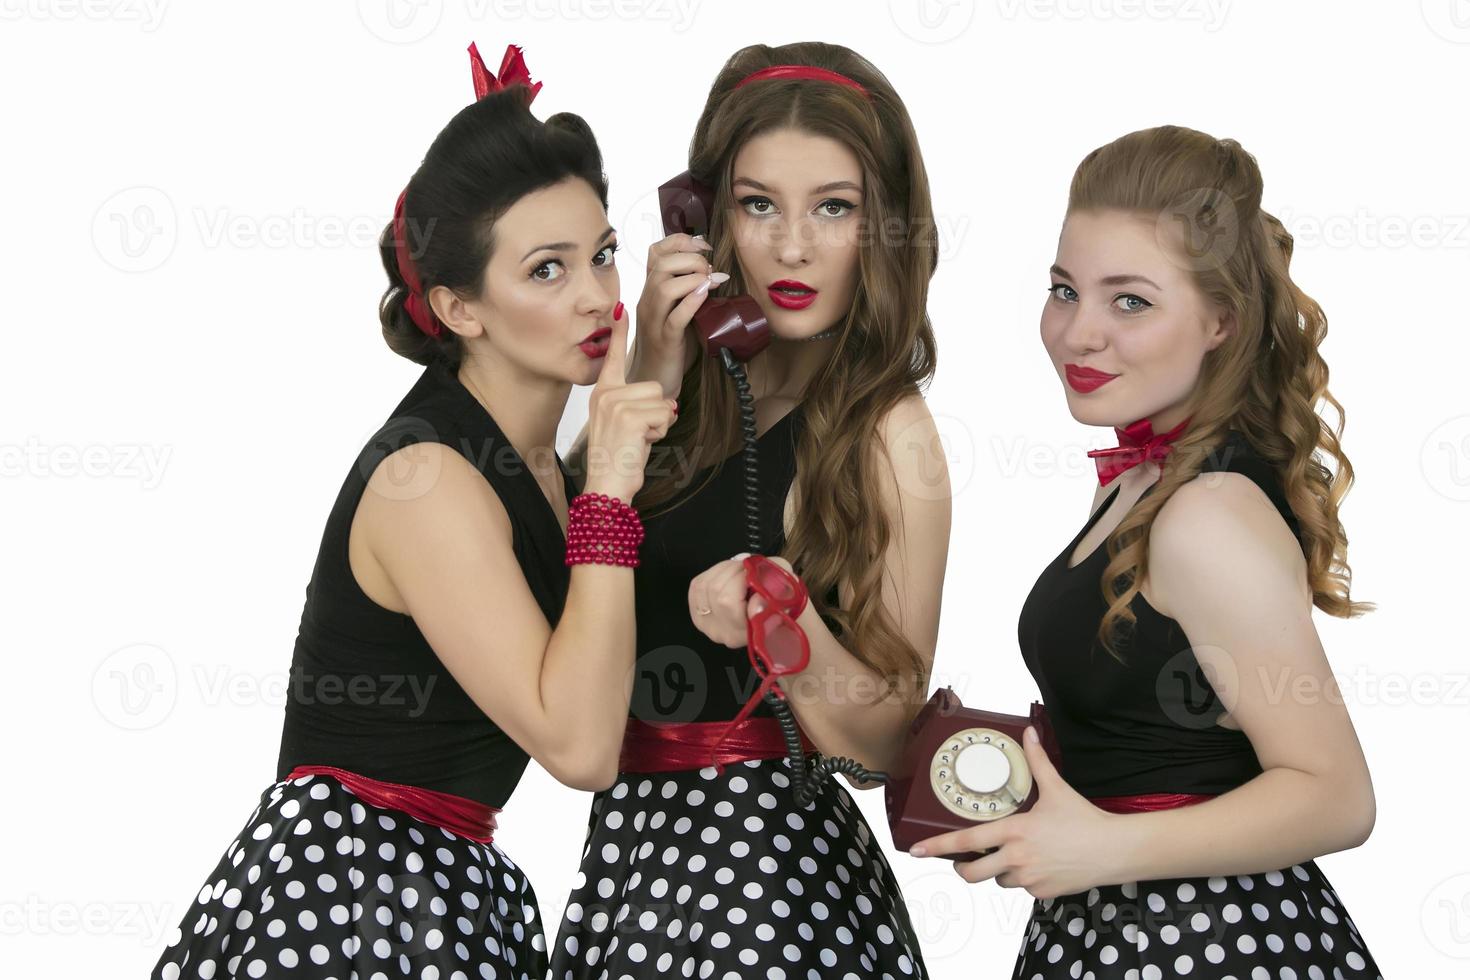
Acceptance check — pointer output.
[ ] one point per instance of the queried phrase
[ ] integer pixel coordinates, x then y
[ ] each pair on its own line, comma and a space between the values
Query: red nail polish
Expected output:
618, 311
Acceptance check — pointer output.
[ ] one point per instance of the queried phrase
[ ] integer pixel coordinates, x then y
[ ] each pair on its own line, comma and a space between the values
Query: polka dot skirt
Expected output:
1281, 925
692, 873
320, 884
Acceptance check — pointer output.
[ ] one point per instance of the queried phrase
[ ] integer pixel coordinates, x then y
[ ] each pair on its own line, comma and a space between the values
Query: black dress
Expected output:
321, 884
696, 873
1149, 725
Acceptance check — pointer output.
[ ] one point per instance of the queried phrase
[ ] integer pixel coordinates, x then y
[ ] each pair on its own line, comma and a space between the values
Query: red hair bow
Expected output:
513, 71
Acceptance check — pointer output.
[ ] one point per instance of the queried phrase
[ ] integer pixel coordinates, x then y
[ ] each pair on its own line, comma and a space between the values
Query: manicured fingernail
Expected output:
918, 850
719, 277
1031, 735
618, 311
702, 287
702, 243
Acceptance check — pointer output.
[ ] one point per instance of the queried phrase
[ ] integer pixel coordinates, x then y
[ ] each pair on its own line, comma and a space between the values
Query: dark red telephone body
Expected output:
927, 793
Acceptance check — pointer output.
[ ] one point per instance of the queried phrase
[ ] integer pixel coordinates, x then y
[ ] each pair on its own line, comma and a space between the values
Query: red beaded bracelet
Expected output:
602, 530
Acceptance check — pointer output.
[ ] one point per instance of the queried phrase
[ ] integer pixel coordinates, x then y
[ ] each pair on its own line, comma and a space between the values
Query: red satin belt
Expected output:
467, 818
669, 746
1148, 802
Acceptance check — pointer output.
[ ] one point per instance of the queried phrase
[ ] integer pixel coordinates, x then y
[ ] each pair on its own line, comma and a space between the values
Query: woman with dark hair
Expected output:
453, 629
1179, 837
714, 854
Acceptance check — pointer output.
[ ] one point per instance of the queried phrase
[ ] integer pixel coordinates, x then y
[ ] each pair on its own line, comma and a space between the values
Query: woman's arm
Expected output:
838, 699
1224, 564
444, 540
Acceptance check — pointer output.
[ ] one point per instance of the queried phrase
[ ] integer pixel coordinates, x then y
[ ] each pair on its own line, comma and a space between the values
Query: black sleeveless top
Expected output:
682, 675
367, 692
1147, 725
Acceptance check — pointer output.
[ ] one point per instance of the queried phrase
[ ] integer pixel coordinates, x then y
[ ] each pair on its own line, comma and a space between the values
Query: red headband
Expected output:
801, 71
513, 71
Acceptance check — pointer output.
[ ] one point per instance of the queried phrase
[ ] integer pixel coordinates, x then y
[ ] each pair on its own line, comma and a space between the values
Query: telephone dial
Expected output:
959, 765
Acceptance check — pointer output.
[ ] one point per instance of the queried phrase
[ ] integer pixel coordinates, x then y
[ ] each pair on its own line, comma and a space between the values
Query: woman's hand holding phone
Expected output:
679, 278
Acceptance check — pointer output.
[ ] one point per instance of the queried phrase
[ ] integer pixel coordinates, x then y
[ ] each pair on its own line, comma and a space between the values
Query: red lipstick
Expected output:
1086, 379
596, 344
791, 294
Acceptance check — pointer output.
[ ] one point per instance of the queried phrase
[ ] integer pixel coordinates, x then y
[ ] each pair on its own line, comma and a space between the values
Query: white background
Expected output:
192, 358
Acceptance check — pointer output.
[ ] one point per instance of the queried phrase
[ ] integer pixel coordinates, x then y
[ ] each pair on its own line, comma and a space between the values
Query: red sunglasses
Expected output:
775, 644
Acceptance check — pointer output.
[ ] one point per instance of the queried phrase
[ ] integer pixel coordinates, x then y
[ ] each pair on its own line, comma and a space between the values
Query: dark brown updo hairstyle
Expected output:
492, 153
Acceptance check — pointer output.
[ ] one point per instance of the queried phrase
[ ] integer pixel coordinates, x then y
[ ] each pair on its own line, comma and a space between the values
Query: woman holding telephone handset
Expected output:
701, 859
444, 564
1179, 837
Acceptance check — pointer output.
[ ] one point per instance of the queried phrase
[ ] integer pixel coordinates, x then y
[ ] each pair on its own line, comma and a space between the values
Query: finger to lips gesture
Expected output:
624, 420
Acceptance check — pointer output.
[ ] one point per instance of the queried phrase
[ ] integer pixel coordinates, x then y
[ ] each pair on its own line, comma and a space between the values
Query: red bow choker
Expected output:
1136, 444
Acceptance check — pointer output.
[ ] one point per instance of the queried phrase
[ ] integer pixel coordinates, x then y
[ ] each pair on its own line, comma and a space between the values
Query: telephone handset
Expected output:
733, 329
733, 323
961, 766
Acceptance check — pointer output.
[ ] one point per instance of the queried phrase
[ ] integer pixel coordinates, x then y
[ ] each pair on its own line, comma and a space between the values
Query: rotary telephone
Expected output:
962, 766
959, 765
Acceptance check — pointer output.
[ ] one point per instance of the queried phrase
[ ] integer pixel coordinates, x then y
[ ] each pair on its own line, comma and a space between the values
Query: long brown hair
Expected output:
885, 350
1265, 380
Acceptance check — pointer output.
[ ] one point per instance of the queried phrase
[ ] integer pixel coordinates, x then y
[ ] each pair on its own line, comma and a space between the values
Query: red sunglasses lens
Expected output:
782, 642
773, 582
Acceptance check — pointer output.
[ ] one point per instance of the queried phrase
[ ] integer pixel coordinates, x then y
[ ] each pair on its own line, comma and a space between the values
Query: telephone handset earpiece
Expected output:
733, 329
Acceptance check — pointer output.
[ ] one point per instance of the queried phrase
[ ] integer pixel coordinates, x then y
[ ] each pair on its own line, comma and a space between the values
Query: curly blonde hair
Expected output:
1265, 380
